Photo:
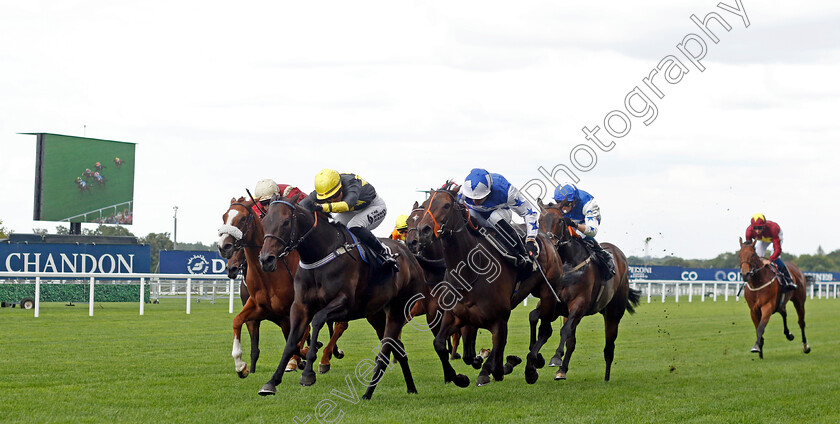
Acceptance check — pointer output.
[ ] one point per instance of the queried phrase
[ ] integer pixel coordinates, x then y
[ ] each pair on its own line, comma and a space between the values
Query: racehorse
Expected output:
765, 297
82, 185
488, 287
432, 262
335, 282
584, 292
269, 295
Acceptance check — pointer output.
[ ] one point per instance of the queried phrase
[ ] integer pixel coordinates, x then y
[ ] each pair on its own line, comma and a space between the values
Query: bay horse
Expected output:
268, 296
432, 261
334, 283
487, 288
584, 292
765, 297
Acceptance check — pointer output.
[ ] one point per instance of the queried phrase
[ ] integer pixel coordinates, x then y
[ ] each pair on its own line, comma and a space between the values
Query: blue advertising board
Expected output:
74, 258
191, 262
657, 272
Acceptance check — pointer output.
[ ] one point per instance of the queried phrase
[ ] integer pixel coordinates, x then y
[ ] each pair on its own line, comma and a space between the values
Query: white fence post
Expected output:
142, 295
690, 291
663, 292
90, 306
37, 296
726, 293
703, 291
677, 292
230, 307
650, 288
189, 294
714, 295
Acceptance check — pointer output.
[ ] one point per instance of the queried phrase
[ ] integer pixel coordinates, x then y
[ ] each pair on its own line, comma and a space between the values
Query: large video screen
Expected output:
79, 179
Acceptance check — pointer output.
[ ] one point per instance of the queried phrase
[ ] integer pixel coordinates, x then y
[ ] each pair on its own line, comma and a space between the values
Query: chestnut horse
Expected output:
584, 292
269, 296
335, 283
487, 287
765, 297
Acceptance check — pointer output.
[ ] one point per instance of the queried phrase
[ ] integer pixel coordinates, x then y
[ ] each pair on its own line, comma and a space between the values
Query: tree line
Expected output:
819, 262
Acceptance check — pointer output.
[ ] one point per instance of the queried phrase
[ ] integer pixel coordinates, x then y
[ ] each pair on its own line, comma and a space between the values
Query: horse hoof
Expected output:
291, 366
556, 361
540, 361
482, 380
790, 336
244, 373
307, 379
338, 354
477, 362
268, 389
319, 345
806, 349
461, 380
484, 353
755, 349
560, 376
531, 375
323, 368
455, 356
412, 391
513, 360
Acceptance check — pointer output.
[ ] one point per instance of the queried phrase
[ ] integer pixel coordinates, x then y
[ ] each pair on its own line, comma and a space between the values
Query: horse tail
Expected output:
633, 297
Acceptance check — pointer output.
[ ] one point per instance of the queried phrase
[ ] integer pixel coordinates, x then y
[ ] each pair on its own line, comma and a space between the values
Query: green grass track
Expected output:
675, 363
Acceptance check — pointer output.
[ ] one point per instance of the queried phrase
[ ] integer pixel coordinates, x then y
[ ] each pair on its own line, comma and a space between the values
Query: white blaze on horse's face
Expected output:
231, 215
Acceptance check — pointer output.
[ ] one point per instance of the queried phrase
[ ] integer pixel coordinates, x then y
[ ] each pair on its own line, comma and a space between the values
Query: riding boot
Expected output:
512, 239
604, 259
787, 278
383, 254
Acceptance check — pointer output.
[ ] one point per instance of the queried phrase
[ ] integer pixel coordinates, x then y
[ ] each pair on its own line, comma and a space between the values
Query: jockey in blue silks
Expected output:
490, 199
581, 208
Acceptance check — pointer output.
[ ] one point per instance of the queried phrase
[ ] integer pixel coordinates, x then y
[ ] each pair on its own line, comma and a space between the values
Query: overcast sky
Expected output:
218, 95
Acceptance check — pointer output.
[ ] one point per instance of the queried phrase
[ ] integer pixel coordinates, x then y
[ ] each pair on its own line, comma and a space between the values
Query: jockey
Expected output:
353, 202
490, 199
267, 188
400, 228
580, 207
765, 232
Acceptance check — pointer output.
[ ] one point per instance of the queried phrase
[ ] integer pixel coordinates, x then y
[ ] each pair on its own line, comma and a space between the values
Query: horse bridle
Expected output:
440, 231
289, 245
236, 232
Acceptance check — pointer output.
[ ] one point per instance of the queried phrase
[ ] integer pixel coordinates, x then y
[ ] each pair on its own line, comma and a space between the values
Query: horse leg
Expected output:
254, 332
494, 361
799, 304
766, 312
249, 313
535, 359
783, 313
296, 361
439, 344
324, 366
567, 341
469, 334
299, 319
337, 308
391, 343
341, 327
456, 337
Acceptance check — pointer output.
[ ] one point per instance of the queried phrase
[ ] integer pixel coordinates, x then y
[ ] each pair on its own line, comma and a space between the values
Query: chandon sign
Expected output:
72, 258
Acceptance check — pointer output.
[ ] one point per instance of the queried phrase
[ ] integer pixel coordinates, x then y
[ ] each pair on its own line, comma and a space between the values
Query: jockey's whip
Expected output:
259, 206
539, 267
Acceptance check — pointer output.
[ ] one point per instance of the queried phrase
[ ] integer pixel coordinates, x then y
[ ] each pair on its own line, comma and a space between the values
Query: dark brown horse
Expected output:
334, 283
486, 286
584, 292
268, 296
765, 297
433, 264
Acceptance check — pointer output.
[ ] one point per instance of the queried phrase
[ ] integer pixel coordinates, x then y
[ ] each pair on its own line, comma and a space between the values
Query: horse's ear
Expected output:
232, 200
540, 203
741, 241
416, 205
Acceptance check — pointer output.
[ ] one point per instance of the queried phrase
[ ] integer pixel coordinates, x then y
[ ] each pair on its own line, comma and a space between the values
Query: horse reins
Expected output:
439, 229
289, 246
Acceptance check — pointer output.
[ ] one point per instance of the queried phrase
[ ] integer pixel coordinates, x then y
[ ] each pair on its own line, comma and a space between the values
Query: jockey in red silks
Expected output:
267, 188
765, 232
